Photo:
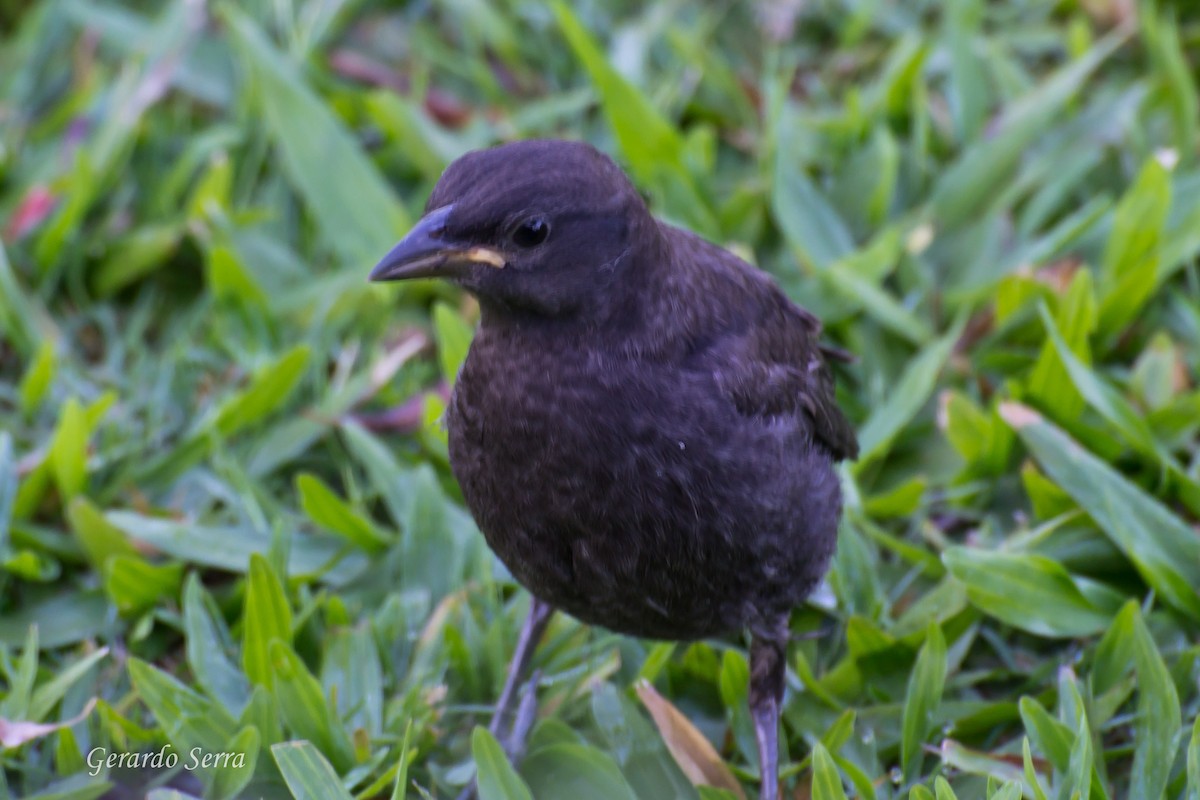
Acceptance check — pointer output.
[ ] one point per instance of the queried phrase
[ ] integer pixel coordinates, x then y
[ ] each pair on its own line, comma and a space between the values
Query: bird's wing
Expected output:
763, 349
777, 366
735, 322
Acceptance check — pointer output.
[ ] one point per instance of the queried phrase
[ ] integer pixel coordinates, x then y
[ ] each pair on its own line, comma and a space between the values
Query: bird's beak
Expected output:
426, 252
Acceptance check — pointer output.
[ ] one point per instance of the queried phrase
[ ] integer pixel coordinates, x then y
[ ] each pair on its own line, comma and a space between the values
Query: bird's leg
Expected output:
524, 719
767, 668
531, 633
514, 742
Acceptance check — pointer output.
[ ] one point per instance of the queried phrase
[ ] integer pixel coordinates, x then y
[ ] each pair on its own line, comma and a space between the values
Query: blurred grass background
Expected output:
226, 515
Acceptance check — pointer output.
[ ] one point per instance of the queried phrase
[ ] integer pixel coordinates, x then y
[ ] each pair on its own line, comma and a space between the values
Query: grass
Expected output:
227, 523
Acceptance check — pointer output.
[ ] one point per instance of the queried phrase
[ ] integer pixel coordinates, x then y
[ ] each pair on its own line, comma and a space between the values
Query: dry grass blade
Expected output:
691, 751
15, 732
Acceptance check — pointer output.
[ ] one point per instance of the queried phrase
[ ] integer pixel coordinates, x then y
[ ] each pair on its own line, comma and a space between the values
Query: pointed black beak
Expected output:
426, 252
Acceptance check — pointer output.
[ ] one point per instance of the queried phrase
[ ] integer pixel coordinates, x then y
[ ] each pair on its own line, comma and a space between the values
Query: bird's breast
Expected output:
572, 424
632, 495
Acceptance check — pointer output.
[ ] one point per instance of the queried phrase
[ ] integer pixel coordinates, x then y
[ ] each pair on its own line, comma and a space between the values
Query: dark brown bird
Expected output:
645, 427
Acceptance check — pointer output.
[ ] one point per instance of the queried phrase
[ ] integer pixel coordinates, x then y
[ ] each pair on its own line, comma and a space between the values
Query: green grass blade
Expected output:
574, 771
329, 511
267, 392
976, 178
1193, 763
233, 766
1079, 774
910, 394
497, 779
1030, 592
1159, 719
813, 227
307, 773
400, 785
187, 718
213, 669
267, 617
1032, 782
1133, 255
453, 340
1099, 395
1162, 547
1049, 386
305, 709
922, 699
826, 782
17, 309
359, 217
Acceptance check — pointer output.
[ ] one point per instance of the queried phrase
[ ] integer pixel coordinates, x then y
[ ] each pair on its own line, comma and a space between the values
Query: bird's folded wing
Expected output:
764, 350
778, 367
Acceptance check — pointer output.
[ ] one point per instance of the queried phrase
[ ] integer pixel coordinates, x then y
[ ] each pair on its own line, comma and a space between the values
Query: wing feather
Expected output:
768, 357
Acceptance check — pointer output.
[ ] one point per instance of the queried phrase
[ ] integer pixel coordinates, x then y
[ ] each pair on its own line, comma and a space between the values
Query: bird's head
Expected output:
536, 227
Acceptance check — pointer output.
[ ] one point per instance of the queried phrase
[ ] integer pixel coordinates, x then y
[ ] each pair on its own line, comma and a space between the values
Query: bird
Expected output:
645, 427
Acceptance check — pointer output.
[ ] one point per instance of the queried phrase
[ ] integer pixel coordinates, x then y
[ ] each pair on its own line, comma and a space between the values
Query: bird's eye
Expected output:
531, 232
